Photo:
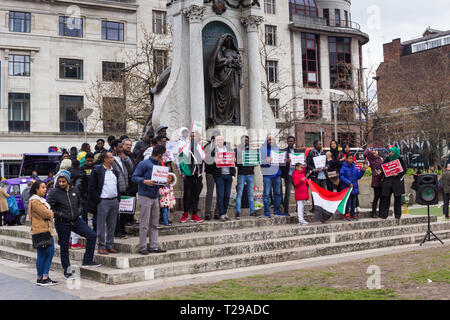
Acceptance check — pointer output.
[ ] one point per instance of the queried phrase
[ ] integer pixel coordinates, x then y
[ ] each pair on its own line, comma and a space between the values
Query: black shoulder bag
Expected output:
42, 239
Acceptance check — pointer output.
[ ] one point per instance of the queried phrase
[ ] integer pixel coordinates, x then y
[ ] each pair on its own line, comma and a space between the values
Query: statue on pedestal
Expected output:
225, 71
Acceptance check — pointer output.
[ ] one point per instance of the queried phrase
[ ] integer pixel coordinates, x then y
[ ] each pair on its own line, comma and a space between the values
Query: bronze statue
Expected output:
225, 69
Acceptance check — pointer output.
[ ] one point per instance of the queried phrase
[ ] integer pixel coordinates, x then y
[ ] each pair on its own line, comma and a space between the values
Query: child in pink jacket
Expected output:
301, 191
167, 199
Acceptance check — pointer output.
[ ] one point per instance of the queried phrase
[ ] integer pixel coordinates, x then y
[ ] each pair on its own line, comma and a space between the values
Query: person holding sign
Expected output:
223, 175
246, 175
148, 199
349, 176
375, 162
334, 165
271, 176
393, 184
286, 172
316, 167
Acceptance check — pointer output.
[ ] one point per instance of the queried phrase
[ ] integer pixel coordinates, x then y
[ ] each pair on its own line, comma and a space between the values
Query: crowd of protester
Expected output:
91, 184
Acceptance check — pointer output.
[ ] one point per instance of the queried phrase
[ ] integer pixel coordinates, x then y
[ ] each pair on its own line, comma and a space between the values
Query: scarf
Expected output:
42, 200
396, 152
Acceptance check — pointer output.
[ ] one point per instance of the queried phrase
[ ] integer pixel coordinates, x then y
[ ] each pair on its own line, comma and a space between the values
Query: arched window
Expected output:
303, 8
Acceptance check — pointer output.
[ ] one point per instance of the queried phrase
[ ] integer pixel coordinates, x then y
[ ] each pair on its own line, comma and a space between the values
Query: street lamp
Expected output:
335, 103
82, 116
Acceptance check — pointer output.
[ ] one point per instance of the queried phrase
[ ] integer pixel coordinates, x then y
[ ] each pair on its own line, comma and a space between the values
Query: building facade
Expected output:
50, 52
413, 82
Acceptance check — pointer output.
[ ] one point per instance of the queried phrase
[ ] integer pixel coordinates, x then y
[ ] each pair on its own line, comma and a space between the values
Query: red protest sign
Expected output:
225, 159
359, 165
392, 167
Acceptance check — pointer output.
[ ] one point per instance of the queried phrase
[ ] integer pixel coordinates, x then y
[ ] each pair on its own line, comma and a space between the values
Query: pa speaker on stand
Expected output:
427, 194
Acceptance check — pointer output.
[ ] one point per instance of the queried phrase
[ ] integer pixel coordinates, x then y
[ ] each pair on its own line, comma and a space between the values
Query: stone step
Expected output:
127, 260
109, 275
245, 222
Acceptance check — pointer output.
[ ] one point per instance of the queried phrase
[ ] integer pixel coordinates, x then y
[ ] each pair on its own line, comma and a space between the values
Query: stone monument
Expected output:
215, 77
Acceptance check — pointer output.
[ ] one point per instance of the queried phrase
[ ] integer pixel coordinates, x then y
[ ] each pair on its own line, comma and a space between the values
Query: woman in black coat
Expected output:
393, 185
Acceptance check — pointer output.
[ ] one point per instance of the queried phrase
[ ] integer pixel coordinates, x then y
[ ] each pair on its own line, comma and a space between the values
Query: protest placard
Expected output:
160, 174
278, 157
251, 158
297, 158
225, 159
320, 161
127, 205
392, 167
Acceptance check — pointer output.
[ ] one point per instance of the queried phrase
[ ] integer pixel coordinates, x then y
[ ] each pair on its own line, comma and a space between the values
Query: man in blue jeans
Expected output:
246, 175
65, 202
271, 177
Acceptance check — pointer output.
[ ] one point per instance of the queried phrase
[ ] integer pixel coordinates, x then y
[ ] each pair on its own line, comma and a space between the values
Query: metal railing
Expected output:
325, 22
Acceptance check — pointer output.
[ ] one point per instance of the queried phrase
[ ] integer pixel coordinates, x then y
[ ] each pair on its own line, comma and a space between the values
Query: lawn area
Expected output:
434, 211
418, 274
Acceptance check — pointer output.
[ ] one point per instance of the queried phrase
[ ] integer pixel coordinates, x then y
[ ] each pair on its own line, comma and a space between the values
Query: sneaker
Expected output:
167, 224
303, 223
347, 217
355, 217
267, 216
67, 275
282, 214
92, 264
48, 282
144, 252
38, 282
196, 218
157, 250
374, 216
238, 217
184, 217
222, 218
77, 246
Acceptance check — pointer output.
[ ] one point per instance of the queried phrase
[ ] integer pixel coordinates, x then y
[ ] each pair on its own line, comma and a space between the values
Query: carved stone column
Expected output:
254, 73
194, 15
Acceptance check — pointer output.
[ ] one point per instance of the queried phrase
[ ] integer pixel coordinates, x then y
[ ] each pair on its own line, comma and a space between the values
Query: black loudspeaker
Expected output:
427, 189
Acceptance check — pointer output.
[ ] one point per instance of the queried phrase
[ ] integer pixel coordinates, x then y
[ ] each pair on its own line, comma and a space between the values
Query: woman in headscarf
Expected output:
393, 185
375, 162
334, 166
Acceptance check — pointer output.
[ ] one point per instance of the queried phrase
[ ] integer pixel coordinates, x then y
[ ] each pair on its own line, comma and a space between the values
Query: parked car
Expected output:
43, 163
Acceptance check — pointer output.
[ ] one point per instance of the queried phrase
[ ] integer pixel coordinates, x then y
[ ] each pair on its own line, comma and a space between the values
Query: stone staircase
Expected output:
213, 245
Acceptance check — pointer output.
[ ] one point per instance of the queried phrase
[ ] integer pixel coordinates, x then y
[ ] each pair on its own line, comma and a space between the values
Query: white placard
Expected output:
320, 161
160, 174
278, 157
297, 158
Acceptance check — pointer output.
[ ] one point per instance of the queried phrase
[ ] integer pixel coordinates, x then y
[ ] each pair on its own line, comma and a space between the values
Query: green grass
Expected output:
232, 290
436, 276
434, 211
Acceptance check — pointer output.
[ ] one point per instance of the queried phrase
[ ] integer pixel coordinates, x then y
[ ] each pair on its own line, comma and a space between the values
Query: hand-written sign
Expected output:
278, 157
392, 167
127, 205
160, 174
320, 161
297, 158
359, 165
251, 158
167, 156
225, 159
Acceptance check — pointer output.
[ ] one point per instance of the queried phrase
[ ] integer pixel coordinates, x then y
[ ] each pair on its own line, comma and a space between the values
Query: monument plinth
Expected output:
215, 77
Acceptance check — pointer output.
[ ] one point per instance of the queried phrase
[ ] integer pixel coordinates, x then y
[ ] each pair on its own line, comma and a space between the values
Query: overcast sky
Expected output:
385, 20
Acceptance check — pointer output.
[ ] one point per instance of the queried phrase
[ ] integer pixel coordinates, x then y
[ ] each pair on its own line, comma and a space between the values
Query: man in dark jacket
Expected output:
143, 143
210, 184
85, 174
286, 172
317, 175
120, 166
104, 198
148, 192
100, 146
65, 203
130, 163
246, 175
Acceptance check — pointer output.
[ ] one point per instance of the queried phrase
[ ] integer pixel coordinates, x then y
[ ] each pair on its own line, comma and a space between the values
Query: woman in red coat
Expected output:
301, 191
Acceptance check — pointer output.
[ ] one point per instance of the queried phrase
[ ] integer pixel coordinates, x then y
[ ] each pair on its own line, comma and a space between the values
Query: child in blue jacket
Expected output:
349, 176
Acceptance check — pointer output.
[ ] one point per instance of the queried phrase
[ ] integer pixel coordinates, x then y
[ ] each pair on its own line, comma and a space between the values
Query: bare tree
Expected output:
122, 98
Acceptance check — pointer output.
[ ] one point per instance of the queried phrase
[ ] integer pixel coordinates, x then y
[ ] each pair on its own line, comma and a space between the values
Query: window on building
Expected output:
340, 62
310, 137
19, 112
160, 61
303, 8
447, 41
434, 44
346, 18
112, 71
69, 106
419, 47
275, 105
269, 6
112, 31
159, 22
271, 35
113, 115
347, 138
313, 109
19, 21
326, 15
19, 65
311, 60
71, 27
337, 17
346, 111
70, 69
272, 71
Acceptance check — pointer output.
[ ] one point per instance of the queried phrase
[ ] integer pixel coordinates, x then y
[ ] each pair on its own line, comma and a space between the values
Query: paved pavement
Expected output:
18, 289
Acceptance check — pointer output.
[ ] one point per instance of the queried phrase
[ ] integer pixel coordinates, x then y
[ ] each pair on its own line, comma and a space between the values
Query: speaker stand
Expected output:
429, 232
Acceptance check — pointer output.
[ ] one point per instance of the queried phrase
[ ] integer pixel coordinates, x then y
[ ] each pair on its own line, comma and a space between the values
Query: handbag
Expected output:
332, 174
42, 239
